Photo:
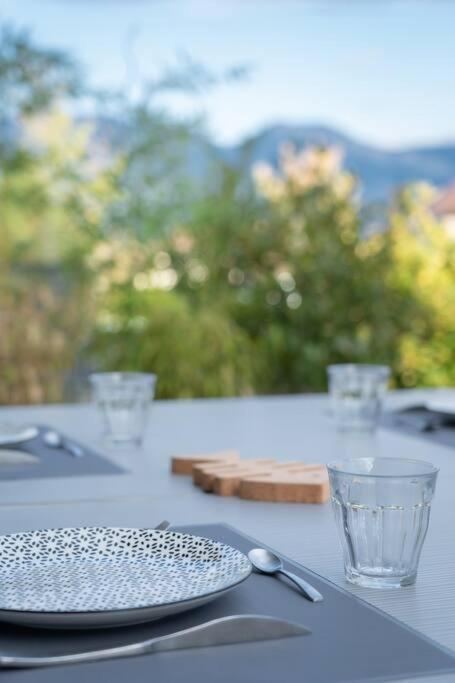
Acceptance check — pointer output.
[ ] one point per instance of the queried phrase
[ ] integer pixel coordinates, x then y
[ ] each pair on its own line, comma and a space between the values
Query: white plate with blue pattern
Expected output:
92, 577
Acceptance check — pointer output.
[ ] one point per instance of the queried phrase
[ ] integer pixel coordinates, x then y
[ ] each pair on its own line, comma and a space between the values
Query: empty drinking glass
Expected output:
382, 510
357, 392
124, 400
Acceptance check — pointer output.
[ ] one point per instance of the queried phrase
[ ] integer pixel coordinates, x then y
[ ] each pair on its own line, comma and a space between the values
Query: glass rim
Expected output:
431, 469
119, 376
370, 367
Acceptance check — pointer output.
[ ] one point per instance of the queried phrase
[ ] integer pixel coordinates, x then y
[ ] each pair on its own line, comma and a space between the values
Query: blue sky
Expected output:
381, 70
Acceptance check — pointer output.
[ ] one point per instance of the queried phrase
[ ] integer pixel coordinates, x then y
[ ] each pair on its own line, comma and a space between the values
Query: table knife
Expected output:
242, 628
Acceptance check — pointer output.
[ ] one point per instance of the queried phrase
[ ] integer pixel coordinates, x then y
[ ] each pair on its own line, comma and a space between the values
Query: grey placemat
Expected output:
350, 640
56, 462
412, 421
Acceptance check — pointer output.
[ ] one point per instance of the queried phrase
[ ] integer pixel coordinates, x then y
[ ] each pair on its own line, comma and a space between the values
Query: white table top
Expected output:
284, 428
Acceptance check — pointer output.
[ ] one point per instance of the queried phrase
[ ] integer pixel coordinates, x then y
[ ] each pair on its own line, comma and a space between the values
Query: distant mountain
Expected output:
380, 172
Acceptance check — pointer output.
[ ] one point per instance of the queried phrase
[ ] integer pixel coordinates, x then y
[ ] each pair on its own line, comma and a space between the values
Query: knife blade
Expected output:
241, 628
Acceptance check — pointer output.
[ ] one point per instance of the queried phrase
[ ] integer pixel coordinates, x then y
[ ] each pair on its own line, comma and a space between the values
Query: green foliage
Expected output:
292, 270
50, 210
421, 281
32, 78
243, 286
195, 352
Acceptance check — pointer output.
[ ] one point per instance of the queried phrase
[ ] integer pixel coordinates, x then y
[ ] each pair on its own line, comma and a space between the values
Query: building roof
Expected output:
445, 205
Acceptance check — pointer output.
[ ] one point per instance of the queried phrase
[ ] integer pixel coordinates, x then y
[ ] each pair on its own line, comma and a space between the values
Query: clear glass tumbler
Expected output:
357, 392
382, 510
124, 400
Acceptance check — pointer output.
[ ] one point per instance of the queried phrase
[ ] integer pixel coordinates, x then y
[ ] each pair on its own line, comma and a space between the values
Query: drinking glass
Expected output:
382, 510
357, 392
123, 399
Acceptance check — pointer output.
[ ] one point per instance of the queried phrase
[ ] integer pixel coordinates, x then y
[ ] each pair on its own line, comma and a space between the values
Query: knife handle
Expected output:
17, 662
227, 630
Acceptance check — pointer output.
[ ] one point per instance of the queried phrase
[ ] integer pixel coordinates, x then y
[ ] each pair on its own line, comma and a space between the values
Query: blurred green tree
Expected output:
76, 234
32, 78
285, 263
420, 290
297, 270
48, 203
194, 352
114, 258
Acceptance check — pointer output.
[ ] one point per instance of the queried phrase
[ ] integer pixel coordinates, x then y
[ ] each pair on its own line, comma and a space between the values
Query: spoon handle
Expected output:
307, 589
72, 448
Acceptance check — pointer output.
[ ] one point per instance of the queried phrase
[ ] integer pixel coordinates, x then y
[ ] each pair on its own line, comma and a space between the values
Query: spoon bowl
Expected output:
53, 439
265, 561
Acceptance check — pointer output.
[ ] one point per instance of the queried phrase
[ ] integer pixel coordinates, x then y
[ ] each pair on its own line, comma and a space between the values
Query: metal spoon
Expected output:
268, 563
162, 526
54, 440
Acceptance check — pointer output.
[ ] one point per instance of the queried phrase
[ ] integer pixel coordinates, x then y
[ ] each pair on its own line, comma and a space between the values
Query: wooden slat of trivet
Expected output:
227, 483
208, 477
203, 473
200, 468
183, 464
310, 485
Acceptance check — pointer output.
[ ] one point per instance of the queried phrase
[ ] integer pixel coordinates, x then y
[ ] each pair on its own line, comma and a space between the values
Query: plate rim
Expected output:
113, 612
441, 407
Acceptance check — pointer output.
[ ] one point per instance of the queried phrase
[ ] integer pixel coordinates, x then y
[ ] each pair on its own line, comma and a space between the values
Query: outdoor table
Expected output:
285, 428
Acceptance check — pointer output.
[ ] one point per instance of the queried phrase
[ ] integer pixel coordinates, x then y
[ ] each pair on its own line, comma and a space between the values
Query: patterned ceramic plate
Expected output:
95, 576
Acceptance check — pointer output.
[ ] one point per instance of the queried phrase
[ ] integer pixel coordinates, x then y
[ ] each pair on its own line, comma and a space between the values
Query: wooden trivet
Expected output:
259, 479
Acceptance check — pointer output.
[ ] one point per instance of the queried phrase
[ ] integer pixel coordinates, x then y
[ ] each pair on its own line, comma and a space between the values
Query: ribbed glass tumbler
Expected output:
357, 392
123, 399
382, 510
